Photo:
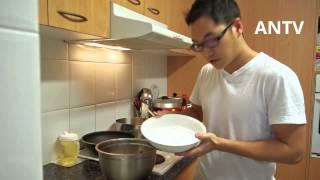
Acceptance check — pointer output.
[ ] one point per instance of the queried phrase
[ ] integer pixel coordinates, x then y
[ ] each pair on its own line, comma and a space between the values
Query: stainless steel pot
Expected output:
131, 126
90, 140
125, 124
166, 102
126, 159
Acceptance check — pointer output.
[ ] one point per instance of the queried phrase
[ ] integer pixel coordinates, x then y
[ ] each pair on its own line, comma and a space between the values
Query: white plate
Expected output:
172, 132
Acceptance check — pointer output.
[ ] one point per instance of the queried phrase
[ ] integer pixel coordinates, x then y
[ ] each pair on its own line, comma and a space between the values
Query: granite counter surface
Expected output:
90, 170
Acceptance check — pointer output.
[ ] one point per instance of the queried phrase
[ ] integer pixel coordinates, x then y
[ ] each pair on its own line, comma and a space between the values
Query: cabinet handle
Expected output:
154, 11
72, 16
135, 2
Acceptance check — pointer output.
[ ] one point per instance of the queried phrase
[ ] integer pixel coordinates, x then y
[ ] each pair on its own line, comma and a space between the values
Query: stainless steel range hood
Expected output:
135, 31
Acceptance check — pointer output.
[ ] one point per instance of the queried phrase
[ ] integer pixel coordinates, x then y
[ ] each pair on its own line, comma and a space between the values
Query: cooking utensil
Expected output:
125, 124
91, 139
166, 102
131, 126
145, 94
126, 158
155, 91
152, 113
172, 132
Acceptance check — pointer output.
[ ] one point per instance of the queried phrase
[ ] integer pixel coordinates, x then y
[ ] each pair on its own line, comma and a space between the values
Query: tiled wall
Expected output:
85, 89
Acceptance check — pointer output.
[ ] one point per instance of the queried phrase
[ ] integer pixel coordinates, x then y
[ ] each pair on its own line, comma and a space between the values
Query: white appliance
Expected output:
20, 110
315, 146
135, 31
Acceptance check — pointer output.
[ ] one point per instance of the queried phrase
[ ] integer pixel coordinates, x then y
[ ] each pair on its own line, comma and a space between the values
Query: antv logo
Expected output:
279, 27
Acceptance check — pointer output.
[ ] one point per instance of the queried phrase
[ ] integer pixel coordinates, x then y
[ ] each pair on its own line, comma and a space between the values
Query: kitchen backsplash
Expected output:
85, 89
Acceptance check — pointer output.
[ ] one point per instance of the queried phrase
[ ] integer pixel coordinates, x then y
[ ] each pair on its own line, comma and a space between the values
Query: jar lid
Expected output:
68, 136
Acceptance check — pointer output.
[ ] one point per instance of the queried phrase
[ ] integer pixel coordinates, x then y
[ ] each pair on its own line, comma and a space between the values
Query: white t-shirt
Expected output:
243, 106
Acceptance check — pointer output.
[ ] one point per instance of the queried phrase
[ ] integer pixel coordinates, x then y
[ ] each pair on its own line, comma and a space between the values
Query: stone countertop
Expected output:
90, 170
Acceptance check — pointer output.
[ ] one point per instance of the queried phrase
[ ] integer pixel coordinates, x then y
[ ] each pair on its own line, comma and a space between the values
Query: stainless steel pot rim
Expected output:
172, 102
136, 141
125, 121
97, 132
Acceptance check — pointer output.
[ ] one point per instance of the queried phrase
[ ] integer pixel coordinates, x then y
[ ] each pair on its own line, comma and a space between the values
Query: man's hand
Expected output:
209, 142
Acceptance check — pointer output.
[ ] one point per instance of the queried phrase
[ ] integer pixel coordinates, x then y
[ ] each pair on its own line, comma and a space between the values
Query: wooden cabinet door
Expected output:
85, 16
178, 10
43, 12
318, 7
314, 171
135, 5
157, 10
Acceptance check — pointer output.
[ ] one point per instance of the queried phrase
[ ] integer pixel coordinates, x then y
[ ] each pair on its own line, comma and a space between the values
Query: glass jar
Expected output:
68, 149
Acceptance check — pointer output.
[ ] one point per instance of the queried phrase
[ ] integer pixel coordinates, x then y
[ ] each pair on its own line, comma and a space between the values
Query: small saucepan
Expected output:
92, 139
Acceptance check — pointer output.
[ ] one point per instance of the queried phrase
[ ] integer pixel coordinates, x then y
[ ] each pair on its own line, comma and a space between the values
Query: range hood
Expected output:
138, 32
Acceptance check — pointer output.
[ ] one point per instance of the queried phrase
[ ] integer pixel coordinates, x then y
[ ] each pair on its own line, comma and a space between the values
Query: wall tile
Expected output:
53, 124
54, 85
87, 53
123, 81
105, 116
105, 82
149, 70
82, 84
124, 109
53, 49
82, 120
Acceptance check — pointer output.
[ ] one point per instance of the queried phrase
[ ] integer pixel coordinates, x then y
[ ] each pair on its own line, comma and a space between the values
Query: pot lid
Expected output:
166, 102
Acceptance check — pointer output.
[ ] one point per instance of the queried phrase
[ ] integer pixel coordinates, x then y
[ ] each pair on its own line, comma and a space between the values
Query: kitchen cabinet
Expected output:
177, 12
318, 7
314, 169
135, 5
157, 10
43, 12
88, 17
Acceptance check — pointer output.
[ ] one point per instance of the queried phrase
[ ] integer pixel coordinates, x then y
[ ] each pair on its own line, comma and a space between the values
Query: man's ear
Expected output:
238, 26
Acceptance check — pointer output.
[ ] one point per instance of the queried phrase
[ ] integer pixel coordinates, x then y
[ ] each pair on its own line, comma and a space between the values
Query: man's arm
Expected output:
287, 146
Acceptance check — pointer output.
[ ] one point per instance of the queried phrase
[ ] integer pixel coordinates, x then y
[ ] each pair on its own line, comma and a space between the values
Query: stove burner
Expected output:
159, 159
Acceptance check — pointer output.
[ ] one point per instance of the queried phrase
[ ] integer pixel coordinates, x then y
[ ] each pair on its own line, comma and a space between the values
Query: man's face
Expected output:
219, 53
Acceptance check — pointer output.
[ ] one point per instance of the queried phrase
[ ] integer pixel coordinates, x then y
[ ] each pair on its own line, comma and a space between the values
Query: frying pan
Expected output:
91, 139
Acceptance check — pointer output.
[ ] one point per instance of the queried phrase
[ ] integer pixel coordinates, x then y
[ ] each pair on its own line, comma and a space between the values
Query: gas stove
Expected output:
164, 160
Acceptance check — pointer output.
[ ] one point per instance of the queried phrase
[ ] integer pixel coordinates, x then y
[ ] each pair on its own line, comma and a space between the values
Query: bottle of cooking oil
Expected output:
68, 149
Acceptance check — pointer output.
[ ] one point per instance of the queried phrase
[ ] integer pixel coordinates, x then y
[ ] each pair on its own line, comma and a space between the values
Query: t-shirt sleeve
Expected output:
195, 95
285, 101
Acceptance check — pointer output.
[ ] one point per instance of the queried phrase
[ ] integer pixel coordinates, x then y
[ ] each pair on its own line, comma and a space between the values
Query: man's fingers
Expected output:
197, 151
202, 136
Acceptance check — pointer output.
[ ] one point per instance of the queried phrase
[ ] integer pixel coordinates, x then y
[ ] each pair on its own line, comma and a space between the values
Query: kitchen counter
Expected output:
90, 170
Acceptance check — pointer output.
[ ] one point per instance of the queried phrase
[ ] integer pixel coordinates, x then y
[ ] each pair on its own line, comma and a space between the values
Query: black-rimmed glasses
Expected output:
210, 43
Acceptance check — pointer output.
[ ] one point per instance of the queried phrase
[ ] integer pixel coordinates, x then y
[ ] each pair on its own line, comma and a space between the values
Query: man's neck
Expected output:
246, 54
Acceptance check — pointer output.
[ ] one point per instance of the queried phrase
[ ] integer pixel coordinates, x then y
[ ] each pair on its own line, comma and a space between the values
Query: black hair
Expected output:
221, 11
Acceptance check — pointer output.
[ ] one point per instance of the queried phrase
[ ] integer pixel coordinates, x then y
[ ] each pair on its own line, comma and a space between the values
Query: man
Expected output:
252, 105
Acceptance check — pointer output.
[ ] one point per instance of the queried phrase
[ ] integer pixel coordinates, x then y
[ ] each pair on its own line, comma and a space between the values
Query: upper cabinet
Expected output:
135, 5
93, 16
43, 12
157, 10
177, 13
89, 17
